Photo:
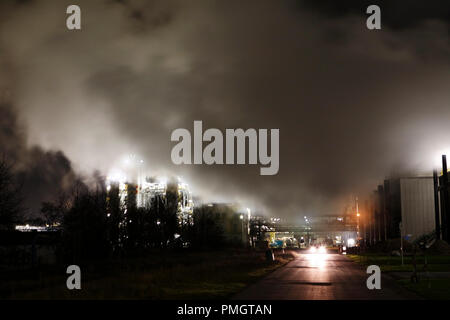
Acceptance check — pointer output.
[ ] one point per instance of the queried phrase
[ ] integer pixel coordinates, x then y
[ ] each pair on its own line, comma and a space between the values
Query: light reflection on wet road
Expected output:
321, 277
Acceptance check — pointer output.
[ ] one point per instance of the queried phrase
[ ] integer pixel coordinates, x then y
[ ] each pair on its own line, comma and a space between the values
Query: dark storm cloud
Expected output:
352, 105
42, 174
395, 14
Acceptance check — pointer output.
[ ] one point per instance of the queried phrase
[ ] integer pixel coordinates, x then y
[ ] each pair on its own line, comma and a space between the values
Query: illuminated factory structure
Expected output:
149, 188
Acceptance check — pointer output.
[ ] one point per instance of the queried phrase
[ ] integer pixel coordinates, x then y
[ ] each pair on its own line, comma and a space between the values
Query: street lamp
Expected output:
242, 227
248, 226
307, 230
248, 220
359, 238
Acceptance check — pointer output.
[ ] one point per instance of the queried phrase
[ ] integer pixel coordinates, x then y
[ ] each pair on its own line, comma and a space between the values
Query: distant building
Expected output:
224, 219
28, 228
314, 230
332, 229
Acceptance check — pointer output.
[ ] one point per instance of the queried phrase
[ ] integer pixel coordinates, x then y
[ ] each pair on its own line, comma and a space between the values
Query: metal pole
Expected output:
382, 222
436, 205
446, 211
371, 223
242, 228
401, 240
357, 221
386, 210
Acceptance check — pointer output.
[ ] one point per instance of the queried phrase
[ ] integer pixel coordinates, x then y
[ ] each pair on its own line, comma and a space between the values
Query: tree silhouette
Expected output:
10, 197
208, 228
53, 212
85, 227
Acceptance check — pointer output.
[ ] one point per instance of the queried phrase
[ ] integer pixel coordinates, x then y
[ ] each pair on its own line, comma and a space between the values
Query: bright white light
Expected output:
312, 250
351, 242
29, 228
241, 217
163, 180
322, 249
317, 260
116, 176
436, 156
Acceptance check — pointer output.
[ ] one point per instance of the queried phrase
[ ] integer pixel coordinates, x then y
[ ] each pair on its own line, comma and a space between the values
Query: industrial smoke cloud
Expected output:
352, 106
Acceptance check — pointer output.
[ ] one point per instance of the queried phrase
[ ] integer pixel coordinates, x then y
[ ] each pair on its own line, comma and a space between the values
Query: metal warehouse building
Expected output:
402, 202
417, 206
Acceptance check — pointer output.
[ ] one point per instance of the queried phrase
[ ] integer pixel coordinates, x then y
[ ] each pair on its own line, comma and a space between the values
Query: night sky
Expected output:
353, 105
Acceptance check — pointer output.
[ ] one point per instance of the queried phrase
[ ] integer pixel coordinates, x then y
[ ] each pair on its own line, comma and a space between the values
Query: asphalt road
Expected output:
322, 277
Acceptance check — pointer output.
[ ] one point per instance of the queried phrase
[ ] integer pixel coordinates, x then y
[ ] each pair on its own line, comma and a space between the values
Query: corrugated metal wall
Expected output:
417, 203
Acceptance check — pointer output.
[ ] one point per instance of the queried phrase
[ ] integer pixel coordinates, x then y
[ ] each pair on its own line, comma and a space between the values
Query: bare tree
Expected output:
10, 196
53, 212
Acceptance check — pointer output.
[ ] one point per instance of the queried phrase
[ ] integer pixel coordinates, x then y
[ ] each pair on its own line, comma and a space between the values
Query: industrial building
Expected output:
409, 207
330, 230
148, 188
442, 200
403, 206
227, 221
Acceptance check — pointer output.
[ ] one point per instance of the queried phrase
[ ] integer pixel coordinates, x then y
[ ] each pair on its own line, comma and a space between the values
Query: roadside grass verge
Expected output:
193, 275
432, 288
387, 263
